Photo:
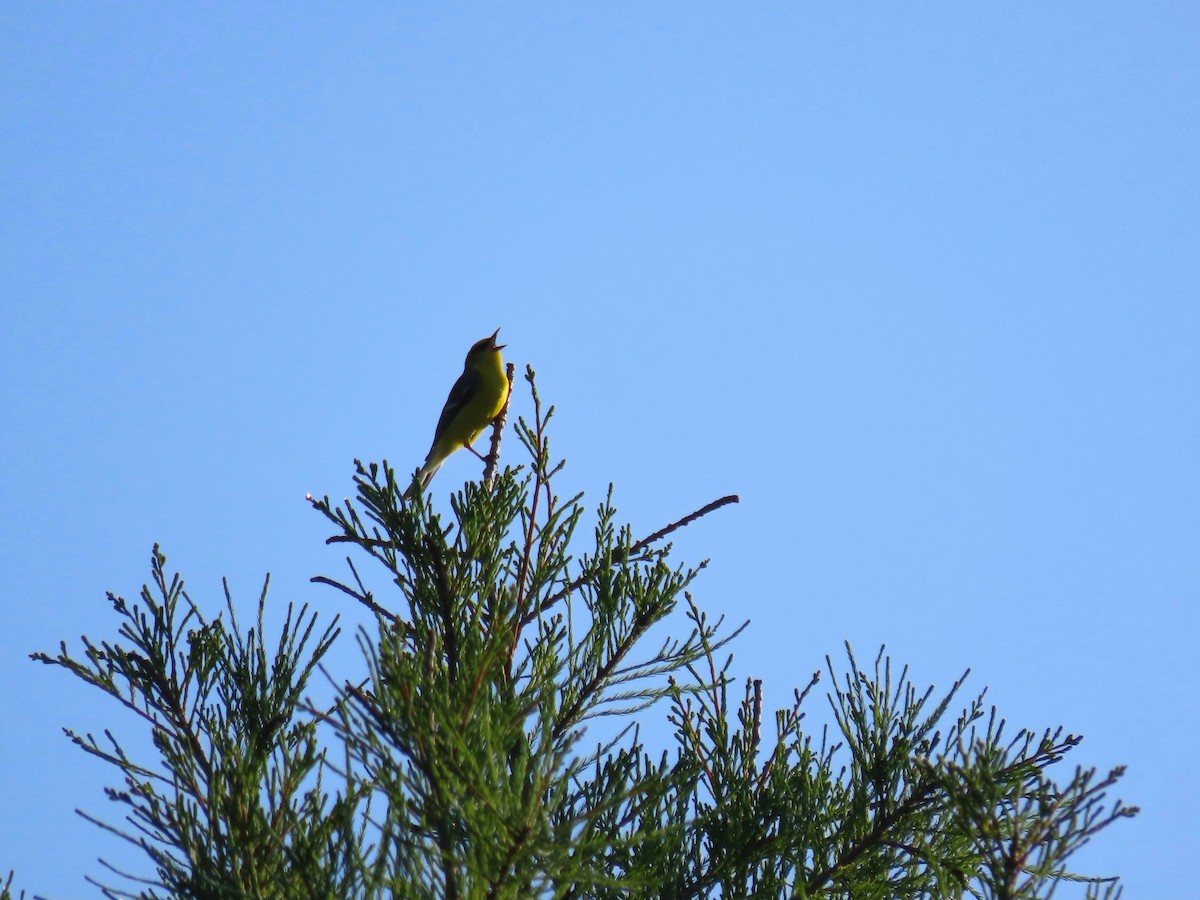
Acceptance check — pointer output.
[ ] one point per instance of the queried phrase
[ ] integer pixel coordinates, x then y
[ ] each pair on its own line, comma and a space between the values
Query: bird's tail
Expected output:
432, 464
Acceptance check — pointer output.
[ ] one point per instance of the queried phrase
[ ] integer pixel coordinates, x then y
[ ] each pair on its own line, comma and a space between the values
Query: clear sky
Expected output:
919, 282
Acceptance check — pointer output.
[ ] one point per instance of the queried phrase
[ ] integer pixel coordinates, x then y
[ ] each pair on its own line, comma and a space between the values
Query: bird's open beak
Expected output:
496, 346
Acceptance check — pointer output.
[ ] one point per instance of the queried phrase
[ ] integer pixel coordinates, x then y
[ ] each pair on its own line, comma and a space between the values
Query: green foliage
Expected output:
458, 767
233, 804
890, 807
481, 682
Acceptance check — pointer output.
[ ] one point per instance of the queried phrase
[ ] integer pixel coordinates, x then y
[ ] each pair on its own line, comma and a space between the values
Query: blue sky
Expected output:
919, 284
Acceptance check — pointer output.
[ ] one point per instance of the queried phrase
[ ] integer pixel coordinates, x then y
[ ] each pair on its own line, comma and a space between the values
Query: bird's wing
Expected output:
461, 394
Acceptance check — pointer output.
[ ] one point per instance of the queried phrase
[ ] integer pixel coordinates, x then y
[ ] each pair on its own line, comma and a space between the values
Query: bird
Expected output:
474, 402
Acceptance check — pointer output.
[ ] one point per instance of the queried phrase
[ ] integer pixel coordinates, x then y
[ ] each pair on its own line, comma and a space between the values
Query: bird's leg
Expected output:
476, 452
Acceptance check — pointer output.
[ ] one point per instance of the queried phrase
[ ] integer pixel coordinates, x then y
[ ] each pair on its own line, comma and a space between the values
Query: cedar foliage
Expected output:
460, 768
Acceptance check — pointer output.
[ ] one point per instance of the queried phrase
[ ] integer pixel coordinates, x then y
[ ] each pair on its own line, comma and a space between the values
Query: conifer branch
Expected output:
620, 556
460, 759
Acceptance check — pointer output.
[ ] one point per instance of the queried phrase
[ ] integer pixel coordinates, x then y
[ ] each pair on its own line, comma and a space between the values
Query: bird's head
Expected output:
487, 345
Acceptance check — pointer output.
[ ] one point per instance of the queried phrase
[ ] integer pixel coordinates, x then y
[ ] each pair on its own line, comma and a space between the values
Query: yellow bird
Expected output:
474, 402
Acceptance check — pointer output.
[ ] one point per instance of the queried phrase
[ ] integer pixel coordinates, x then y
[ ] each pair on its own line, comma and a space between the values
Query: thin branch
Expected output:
620, 557
756, 721
361, 598
686, 520
361, 541
493, 457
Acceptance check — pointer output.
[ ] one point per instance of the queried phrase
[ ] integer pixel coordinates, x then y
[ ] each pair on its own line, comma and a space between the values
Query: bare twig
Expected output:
686, 520
645, 542
756, 720
361, 541
364, 599
493, 457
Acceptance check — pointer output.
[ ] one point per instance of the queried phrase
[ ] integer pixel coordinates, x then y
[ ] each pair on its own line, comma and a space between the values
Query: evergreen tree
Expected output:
460, 767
